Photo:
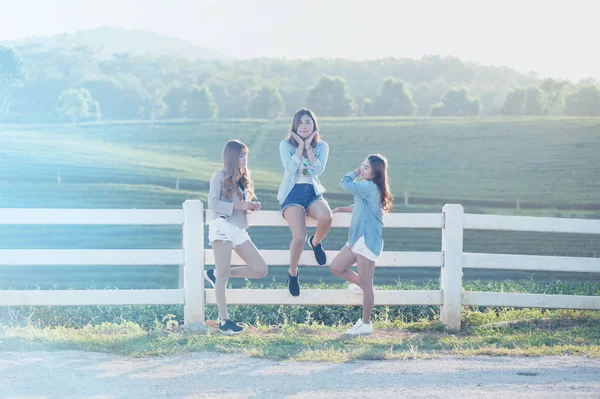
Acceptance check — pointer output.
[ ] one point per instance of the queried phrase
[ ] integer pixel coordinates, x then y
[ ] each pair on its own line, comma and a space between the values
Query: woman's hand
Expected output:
243, 206
297, 138
309, 139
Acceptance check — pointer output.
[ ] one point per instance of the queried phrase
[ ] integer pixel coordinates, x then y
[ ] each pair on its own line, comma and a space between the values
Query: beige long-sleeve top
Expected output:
222, 206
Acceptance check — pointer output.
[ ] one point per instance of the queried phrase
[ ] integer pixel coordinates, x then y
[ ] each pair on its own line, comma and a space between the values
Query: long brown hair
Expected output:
234, 175
296, 121
379, 165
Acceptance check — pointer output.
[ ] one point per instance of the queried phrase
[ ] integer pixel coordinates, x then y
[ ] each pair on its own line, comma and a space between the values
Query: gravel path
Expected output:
74, 374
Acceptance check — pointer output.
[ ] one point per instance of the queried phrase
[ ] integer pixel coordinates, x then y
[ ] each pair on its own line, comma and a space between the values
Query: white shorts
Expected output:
220, 229
360, 248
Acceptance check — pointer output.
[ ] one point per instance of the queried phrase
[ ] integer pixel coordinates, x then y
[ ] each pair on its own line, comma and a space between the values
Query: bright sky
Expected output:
555, 38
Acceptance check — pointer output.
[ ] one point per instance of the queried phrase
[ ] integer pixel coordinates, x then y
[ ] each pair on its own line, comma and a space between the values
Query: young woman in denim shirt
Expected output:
304, 157
372, 198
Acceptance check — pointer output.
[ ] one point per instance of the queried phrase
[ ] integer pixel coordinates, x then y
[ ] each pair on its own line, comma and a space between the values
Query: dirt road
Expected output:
73, 374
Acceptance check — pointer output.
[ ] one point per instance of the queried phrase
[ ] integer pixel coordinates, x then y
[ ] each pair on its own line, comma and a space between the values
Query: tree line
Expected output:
51, 86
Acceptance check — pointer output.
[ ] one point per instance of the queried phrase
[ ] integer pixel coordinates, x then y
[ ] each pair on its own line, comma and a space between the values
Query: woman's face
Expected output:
366, 171
305, 127
243, 159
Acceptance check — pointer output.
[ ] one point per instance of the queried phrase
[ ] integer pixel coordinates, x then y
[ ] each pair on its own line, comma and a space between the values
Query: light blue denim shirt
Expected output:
291, 165
367, 215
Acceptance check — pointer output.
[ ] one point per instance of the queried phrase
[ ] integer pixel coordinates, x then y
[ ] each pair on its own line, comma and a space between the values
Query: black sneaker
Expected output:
320, 255
230, 327
209, 275
292, 283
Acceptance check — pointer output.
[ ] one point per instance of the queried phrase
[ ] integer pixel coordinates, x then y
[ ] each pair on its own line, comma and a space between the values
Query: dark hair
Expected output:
379, 165
296, 121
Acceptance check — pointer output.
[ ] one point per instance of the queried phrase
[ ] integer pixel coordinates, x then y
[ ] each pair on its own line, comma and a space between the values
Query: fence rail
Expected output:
193, 257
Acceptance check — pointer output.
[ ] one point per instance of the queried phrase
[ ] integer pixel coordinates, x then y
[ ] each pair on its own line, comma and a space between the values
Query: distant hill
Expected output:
105, 41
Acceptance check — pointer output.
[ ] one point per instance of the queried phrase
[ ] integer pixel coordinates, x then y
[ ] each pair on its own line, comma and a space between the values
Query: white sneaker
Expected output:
360, 328
355, 289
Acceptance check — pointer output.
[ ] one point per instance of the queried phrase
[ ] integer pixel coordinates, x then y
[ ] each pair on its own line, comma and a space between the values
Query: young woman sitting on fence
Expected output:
372, 198
304, 157
230, 195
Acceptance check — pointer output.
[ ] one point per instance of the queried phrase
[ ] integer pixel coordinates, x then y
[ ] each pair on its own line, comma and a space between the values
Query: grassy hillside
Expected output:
550, 165
547, 163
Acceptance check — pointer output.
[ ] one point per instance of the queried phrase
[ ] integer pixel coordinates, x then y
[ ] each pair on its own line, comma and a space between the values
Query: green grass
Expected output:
549, 333
315, 333
146, 315
543, 161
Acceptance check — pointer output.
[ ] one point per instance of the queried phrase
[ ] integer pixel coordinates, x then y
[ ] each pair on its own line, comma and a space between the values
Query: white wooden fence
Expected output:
193, 257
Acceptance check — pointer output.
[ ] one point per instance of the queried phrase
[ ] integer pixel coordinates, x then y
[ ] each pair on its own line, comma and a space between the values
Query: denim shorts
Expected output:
302, 195
220, 229
360, 248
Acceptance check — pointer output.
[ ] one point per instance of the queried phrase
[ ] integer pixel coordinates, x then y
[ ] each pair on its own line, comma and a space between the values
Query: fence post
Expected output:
451, 273
193, 262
